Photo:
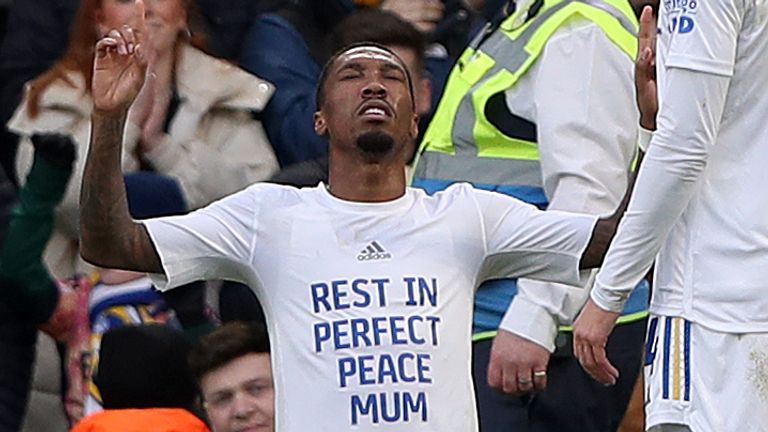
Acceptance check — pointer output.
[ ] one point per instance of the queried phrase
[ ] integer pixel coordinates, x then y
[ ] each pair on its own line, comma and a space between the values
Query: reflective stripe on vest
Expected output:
461, 145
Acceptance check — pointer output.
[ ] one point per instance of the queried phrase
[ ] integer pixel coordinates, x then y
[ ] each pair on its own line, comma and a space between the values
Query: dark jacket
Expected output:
17, 345
36, 35
17, 340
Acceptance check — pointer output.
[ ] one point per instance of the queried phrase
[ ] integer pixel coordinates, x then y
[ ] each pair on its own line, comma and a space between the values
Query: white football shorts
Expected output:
706, 380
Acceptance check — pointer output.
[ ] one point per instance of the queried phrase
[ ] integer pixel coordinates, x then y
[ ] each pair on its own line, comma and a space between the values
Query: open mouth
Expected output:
375, 111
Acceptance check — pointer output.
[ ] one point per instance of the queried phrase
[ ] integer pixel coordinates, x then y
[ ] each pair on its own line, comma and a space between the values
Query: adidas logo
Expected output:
372, 252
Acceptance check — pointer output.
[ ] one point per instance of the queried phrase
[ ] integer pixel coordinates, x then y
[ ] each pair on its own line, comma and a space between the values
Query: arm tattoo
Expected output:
109, 236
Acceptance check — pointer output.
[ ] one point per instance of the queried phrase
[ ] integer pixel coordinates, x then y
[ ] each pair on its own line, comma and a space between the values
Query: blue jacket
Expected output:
274, 50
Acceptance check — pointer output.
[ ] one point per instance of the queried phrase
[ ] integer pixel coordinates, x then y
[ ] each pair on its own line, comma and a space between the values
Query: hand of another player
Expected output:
517, 365
590, 336
119, 67
422, 14
645, 70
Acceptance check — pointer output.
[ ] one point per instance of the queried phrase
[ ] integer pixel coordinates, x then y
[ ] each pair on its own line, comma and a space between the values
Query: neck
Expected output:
162, 66
361, 180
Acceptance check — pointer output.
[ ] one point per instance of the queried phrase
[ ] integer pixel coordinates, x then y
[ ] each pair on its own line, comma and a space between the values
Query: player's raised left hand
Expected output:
590, 336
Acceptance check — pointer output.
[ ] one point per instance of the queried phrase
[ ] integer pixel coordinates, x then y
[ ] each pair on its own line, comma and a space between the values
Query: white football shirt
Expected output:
700, 198
369, 305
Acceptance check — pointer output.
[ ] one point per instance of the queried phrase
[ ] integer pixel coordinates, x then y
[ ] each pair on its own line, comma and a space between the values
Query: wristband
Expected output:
644, 137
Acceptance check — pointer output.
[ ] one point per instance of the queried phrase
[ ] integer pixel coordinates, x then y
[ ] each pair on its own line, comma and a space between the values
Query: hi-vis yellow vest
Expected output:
461, 144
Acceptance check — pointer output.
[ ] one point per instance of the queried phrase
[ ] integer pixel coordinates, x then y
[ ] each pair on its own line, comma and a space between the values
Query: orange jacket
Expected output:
142, 420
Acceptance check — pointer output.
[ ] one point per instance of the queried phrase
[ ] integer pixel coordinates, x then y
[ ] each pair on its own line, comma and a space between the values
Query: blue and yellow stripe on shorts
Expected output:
673, 335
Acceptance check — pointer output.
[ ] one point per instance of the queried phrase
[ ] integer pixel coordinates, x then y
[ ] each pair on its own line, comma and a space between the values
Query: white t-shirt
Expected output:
700, 198
369, 305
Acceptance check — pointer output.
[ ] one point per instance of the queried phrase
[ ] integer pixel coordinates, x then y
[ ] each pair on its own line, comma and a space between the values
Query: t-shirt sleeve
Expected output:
523, 241
211, 243
704, 34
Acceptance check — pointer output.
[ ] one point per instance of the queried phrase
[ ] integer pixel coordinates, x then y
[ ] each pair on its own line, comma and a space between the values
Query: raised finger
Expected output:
647, 24
121, 46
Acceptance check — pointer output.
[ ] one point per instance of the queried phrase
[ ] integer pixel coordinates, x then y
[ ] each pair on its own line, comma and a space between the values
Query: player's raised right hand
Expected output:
119, 67
645, 70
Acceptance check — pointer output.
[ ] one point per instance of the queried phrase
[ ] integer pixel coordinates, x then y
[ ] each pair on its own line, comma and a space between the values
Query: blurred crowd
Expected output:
229, 101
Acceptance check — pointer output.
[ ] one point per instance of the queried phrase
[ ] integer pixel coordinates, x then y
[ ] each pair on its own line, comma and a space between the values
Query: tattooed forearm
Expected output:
109, 237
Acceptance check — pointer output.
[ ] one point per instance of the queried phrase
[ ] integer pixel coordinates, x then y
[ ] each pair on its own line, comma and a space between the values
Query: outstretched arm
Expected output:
109, 236
647, 103
27, 288
604, 230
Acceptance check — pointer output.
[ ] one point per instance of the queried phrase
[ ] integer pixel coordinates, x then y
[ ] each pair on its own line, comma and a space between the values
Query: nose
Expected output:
374, 89
243, 406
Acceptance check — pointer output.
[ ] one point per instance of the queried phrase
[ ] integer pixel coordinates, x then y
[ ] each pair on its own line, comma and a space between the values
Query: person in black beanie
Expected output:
144, 382
144, 367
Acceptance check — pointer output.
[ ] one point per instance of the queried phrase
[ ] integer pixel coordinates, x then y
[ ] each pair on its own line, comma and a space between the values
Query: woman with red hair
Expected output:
192, 121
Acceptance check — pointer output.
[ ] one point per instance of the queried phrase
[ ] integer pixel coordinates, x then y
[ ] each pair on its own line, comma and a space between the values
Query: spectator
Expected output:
36, 36
145, 383
227, 22
513, 121
192, 121
60, 309
38, 32
17, 338
232, 367
118, 297
290, 46
370, 25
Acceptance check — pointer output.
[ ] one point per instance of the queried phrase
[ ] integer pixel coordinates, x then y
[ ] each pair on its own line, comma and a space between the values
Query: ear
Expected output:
321, 128
415, 126
424, 96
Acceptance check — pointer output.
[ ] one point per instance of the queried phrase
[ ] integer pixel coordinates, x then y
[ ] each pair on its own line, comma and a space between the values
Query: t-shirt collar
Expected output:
397, 204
